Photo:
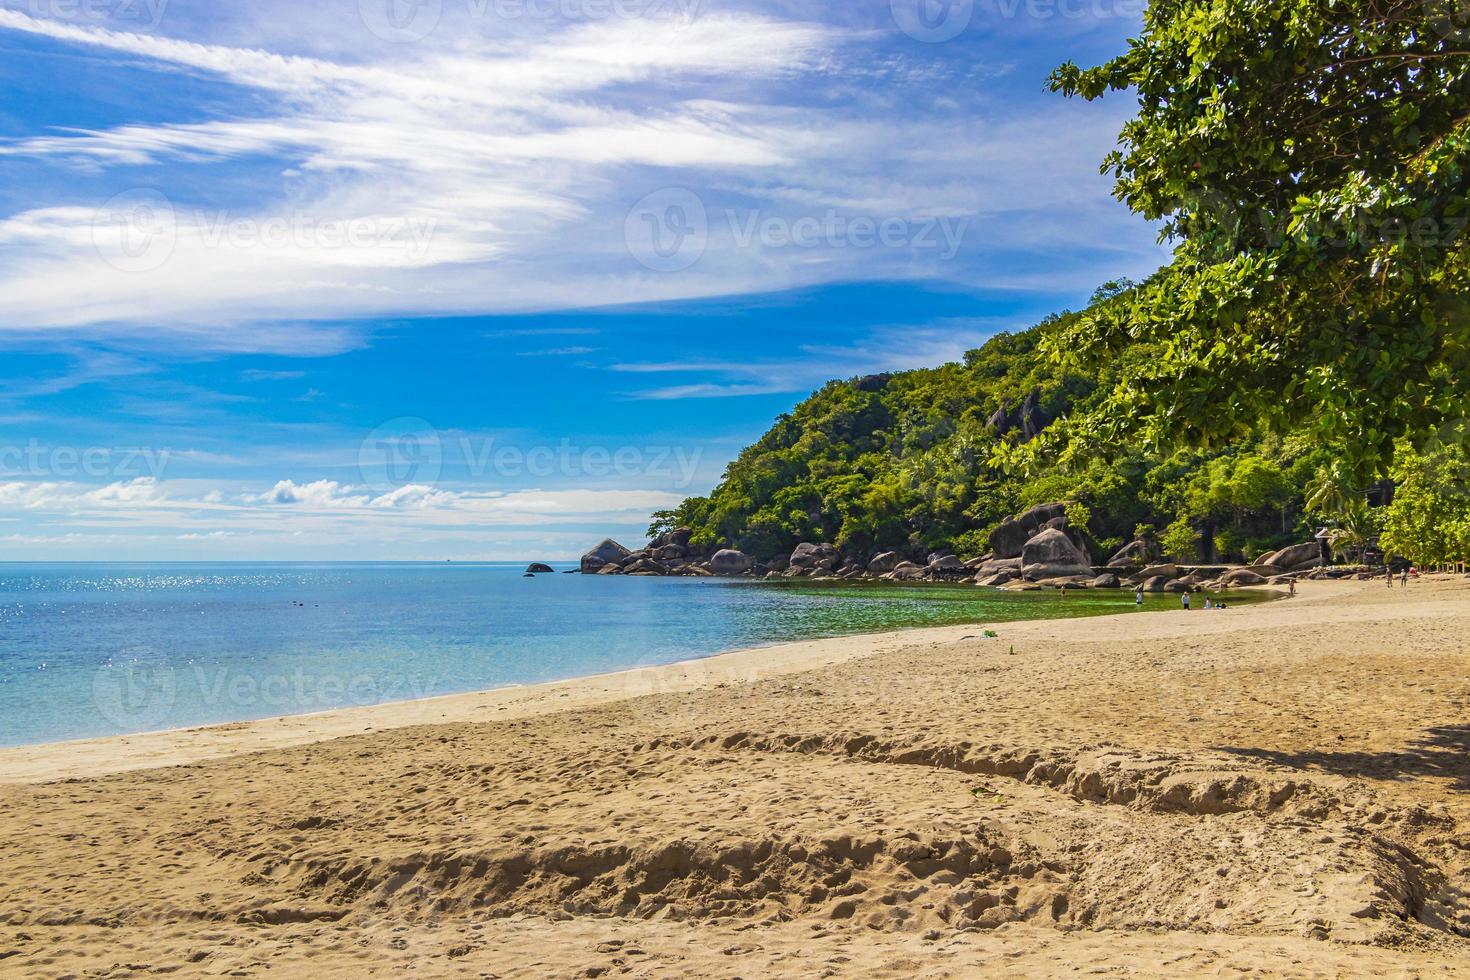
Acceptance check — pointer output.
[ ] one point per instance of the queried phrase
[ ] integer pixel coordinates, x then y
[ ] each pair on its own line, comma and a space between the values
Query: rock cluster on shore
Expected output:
1034, 550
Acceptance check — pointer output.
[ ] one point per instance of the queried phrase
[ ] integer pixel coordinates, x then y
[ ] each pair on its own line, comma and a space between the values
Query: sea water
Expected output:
104, 649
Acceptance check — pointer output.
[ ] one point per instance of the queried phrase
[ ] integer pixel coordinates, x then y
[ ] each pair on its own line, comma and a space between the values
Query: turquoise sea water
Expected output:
104, 649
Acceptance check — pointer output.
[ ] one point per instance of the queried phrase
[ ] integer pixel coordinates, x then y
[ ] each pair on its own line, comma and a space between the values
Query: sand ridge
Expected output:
1277, 789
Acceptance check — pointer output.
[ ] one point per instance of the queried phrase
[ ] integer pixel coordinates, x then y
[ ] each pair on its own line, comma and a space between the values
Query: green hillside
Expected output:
921, 460
1303, 359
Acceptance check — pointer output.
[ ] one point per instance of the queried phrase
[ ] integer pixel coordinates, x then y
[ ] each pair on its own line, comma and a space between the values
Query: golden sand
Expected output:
1279, 789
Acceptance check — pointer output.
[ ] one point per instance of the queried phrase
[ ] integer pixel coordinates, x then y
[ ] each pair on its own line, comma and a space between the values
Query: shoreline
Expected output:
112, 754
1279, 788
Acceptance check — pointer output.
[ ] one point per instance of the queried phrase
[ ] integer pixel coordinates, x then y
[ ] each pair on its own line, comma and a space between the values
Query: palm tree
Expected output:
1332, 492
1357, 528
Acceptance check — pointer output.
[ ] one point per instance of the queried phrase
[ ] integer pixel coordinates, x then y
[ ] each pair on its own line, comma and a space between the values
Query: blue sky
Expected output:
489, 279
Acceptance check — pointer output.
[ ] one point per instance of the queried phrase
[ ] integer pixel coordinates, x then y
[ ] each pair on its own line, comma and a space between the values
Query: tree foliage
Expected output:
1429, 519
1308, 159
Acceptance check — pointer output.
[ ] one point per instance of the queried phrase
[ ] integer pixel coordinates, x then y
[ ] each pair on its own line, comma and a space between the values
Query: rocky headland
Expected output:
1037, 549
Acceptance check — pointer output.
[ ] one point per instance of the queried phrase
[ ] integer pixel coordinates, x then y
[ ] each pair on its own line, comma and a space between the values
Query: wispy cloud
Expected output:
674, 367
256, 374
676, 392
539, 332
558, 352
889, 348
191, 510
475, 173
271, 179
403, 173
88, 367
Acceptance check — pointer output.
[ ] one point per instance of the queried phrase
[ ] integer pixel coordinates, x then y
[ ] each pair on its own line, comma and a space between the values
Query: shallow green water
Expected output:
830, 608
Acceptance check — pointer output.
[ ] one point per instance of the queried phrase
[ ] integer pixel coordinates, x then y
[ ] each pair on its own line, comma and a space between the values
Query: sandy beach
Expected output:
1279, 789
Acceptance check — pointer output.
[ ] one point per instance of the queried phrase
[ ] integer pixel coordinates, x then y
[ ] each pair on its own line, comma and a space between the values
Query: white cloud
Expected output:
141, 490
478, 174
322, 496
29, 496
558, 352
256, 374
519, 505
320, 493
711, 390
890, 348
356, 522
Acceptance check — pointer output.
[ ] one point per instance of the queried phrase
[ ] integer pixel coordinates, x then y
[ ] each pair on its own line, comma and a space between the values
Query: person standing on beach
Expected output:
1388, 573
1138, 596
1404, 580
1185, 599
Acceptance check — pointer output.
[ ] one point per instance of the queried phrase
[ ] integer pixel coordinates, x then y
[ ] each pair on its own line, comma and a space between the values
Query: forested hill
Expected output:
913, 462
1309, 162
